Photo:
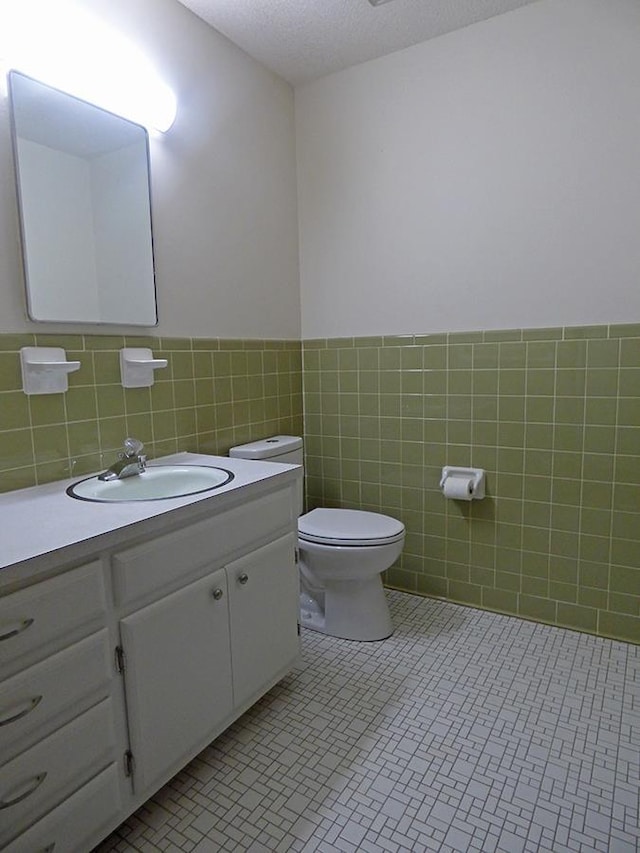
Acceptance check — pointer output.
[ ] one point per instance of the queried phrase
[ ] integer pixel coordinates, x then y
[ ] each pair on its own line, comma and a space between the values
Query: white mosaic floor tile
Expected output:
464, 731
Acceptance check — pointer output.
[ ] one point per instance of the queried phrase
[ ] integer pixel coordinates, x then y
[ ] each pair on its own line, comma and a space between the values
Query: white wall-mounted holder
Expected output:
137, 365
462, 484
45, 370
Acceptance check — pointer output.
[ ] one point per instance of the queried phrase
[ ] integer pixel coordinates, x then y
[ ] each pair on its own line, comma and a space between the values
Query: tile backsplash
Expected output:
553, 415
213, 394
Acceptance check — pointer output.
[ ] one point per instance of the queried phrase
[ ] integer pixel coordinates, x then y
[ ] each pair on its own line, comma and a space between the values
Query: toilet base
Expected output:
350, 610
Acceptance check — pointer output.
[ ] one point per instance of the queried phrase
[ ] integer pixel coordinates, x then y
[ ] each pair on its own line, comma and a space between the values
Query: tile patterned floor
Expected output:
465, 731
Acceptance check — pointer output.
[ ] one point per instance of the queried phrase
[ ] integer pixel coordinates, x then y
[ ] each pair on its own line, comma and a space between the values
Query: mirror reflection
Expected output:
83, 192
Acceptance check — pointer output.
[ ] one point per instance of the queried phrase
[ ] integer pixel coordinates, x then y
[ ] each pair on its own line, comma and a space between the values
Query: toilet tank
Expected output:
278, 448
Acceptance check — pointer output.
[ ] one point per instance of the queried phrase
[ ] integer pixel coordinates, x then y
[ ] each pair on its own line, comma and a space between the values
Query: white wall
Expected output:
489, 178
223, 187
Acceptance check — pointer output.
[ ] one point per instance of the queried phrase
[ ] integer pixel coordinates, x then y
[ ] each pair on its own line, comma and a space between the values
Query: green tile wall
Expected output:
553, 415
213, 394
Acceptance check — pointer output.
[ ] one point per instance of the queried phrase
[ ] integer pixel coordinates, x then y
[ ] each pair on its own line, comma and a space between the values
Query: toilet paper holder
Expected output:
475, 477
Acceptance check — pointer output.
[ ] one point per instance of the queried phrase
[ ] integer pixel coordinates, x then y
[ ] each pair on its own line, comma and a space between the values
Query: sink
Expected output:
156, 483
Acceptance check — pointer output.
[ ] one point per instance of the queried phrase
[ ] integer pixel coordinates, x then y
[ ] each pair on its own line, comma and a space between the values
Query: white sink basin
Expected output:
158, 482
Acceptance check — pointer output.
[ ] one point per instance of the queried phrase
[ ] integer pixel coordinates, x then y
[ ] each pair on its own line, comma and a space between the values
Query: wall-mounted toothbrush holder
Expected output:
45, 370
137, 365
463, 484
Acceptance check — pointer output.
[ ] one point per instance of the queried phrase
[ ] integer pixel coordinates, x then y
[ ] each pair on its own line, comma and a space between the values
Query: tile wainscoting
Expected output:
553, 415
214, 393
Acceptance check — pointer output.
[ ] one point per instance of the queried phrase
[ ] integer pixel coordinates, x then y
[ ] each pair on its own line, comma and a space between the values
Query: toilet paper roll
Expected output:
458, 488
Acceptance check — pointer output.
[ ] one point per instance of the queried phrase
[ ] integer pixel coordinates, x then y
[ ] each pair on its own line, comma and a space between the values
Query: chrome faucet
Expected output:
131, 461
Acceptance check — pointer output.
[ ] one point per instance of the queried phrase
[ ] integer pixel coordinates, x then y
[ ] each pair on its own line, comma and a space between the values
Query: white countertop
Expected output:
40, 520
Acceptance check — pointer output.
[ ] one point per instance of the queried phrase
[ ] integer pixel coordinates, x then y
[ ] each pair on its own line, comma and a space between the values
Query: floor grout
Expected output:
464, 731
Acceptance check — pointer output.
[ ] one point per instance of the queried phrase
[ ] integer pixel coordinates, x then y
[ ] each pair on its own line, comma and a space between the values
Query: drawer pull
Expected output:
13, 632
243, 578
33, 787
30, 705
217, 594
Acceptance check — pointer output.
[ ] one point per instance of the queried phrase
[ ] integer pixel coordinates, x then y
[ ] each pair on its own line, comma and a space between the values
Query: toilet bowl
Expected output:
343, 553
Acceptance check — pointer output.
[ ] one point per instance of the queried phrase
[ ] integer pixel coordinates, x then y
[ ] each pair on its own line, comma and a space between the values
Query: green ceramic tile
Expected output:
14, 343
595, 548
603, 353
630, 353
532, 607
582, 332
460, 356
106, 367
545, 334
578, 617
102, 342
570, 383
14, 410
10, 374
540, 382
460, 382
619, 626
17, 478
512, 383
49, 472
110, 400
624, 603
571, 354
83, 438
537, 461
629, 411
512, 355
50, 444
113, 431
81, 404
486, 355
47, 409
538, 409
629, 382
503, 335
541, 354
625, 330
602, 382
599, 439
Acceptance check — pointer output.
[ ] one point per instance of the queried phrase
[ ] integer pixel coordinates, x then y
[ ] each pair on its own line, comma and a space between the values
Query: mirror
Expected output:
85, 211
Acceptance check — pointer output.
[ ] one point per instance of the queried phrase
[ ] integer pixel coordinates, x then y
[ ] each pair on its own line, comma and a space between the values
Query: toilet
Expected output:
343, 553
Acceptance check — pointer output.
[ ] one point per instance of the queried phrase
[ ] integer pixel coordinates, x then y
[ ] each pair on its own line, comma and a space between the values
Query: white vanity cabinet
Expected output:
57, 721
197, 658
116, 672
177, 660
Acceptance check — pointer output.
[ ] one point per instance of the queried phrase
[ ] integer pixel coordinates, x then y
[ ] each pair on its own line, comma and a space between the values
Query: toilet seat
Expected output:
349, 527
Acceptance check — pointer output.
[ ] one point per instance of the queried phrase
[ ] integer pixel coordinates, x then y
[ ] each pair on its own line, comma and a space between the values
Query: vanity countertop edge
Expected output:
41, 526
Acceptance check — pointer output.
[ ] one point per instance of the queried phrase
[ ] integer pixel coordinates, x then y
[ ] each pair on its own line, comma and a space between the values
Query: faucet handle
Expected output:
132, 447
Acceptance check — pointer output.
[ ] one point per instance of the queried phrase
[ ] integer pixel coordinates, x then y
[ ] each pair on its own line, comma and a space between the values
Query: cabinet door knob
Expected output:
217, 594
243, 578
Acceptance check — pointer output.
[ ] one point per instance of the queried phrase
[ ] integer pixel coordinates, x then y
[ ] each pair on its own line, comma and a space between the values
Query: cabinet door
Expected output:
263, 605
177, 676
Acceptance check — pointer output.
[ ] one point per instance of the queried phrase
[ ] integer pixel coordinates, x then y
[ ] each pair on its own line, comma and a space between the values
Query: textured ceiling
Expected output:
304, 39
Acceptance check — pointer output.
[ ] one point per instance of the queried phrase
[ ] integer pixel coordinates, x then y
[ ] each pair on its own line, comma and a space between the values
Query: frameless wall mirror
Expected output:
83, 192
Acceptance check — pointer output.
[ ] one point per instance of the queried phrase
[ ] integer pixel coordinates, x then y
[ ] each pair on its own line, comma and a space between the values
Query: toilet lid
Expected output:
349, 527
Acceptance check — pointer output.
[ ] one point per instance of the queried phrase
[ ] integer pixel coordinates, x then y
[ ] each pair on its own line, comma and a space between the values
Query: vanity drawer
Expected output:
77, 822
49, 694
50, 771
154, 567
49, 615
